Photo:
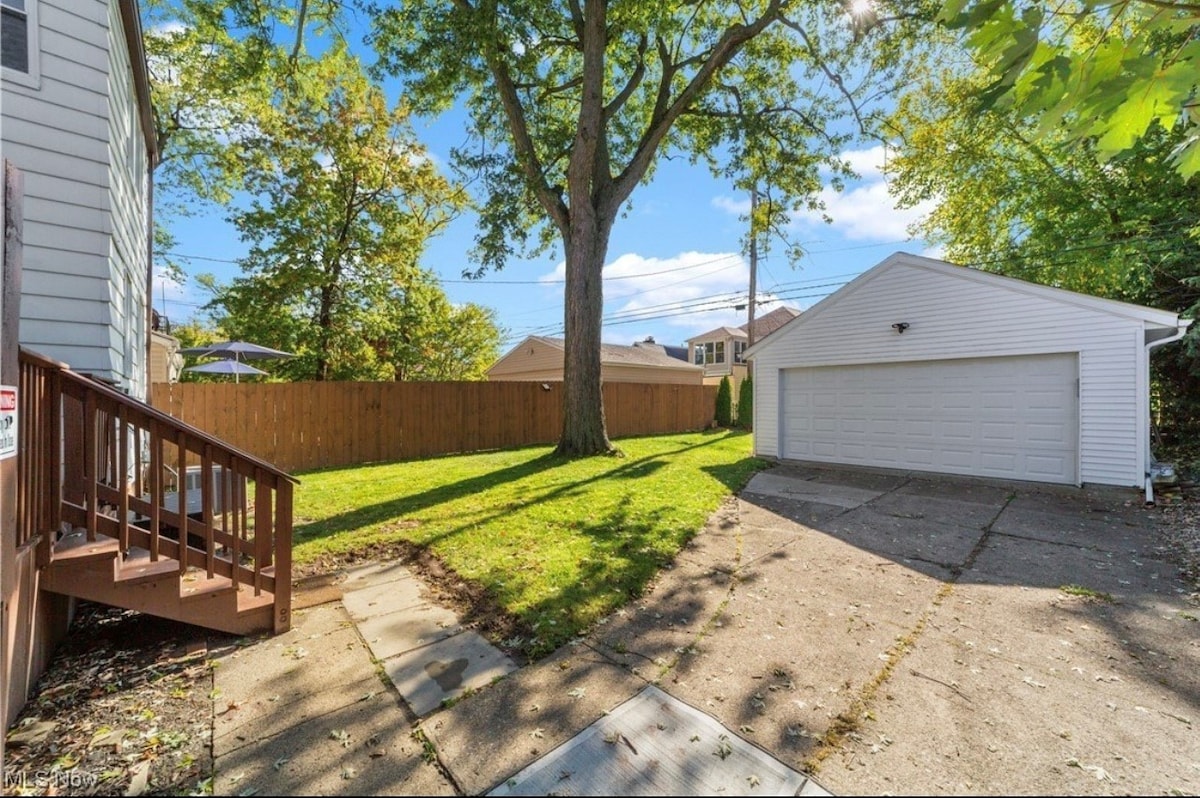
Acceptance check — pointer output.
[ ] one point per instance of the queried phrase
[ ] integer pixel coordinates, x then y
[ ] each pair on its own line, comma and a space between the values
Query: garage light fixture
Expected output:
900, 326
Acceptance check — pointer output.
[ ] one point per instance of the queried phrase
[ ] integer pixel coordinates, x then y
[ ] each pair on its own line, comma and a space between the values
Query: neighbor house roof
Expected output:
641, 353
763, 326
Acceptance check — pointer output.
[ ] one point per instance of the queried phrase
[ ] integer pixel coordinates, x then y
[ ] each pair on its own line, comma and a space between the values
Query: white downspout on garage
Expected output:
1151, 345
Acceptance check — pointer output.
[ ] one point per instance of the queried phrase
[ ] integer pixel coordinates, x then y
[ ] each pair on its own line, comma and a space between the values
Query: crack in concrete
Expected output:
849, 720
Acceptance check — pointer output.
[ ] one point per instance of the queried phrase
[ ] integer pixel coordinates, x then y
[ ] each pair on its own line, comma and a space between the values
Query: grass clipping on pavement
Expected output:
556, 542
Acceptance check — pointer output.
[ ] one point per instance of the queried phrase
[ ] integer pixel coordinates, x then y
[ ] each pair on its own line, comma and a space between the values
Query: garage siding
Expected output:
954, 316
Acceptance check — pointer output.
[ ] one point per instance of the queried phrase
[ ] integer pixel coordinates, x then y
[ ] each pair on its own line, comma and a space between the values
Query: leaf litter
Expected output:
127, 699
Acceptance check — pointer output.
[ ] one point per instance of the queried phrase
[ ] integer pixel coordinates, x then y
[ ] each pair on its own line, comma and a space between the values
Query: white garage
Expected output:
922, 365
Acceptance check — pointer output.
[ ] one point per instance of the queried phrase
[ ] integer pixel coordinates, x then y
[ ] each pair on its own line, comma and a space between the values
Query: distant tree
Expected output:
343, 200
428, 338
725, 403
745, 404
216, 68
195, 332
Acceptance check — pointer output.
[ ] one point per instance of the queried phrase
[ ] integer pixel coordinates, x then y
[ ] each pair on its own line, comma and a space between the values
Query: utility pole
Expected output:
753, 303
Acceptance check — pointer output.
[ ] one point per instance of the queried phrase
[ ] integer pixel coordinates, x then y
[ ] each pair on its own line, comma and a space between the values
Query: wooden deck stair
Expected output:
96, 571
116, 477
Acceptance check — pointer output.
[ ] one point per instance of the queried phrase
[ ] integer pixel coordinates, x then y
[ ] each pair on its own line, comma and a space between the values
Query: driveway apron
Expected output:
916, 634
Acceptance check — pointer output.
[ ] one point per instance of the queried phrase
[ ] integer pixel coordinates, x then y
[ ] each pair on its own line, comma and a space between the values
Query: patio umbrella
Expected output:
236, 350
234, 367
233, 352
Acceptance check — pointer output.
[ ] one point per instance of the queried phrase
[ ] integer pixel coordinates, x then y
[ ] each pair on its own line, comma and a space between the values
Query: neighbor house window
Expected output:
738, 348
709, 353
18, 33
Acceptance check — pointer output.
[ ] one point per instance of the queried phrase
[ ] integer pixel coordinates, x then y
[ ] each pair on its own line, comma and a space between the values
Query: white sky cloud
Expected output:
865, 211
691, 292
937, 252
867, 163
732, 206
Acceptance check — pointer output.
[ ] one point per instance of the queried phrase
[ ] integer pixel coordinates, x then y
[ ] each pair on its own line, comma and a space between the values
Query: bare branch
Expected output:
631, 85
526, 152
834, 77
722, 53
301, 14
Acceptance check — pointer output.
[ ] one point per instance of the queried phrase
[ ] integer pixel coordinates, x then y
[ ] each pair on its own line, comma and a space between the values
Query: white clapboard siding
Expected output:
127, 184
74, 132
955, 312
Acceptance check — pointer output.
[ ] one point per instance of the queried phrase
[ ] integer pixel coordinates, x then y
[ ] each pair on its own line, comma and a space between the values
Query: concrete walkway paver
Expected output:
428, 675
305, 713
424, 650
654, 744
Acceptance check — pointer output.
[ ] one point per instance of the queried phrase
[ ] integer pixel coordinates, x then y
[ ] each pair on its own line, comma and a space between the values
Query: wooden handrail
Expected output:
36, 359
75, 443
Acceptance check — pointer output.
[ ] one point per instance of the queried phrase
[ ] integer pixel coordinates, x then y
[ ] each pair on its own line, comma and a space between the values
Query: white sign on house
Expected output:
8, 421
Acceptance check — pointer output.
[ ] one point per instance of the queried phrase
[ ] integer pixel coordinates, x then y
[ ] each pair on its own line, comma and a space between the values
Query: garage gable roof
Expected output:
903, 260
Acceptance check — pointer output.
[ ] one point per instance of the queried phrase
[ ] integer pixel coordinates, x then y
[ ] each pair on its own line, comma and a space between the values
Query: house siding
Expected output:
75, 136
615, 373
535, 360
532, 360
129, 188
959, 317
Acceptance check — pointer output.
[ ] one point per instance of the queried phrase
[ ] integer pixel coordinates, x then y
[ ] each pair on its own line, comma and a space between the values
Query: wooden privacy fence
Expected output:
303, 425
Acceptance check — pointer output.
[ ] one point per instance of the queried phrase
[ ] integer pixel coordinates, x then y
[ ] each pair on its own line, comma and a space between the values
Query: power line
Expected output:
609, 279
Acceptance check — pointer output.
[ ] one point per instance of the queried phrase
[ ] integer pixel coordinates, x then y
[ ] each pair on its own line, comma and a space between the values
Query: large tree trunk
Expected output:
584, 431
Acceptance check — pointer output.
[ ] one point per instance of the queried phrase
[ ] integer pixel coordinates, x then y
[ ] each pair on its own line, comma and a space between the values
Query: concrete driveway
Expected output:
889, 633
912, 634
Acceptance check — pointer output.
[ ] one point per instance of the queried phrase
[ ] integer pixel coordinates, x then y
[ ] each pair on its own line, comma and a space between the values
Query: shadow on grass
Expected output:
735, 475
414, 503
627, 553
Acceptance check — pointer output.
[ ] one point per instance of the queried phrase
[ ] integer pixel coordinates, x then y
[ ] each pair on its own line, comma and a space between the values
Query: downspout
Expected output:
1180, 331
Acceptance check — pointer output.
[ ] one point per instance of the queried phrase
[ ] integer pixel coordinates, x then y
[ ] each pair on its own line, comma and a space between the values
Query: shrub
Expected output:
745, 405
725, 403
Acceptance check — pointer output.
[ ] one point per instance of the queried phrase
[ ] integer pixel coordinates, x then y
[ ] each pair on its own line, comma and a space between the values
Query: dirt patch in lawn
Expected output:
475, 606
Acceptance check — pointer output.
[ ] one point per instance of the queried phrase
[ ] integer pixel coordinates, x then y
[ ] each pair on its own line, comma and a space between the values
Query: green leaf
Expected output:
1186, 157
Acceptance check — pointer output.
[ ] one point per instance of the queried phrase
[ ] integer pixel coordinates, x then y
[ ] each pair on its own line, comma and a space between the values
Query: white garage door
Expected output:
1005, 417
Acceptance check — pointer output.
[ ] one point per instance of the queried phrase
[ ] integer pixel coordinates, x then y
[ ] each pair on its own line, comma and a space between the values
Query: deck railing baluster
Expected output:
74, 450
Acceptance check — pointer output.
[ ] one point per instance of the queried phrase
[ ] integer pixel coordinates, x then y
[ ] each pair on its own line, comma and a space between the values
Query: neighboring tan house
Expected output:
166, 360
720, 351
541, 359
78, 124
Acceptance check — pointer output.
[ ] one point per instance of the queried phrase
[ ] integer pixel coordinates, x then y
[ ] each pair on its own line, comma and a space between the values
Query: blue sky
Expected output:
674, 267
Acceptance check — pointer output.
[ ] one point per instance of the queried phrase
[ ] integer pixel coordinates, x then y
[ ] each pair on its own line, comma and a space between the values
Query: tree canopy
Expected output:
572, 102
261, 109
1105, 71
342, 201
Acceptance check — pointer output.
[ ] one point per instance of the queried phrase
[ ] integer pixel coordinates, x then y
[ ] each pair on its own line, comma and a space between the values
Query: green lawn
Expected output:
558, 543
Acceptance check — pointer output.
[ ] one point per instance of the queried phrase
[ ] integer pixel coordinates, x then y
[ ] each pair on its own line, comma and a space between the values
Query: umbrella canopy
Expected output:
236, 350
235, 367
